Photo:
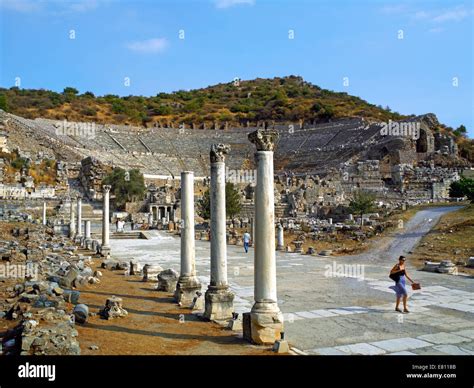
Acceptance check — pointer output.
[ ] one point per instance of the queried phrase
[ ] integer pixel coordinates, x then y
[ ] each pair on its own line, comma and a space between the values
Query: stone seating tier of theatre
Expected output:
167, 151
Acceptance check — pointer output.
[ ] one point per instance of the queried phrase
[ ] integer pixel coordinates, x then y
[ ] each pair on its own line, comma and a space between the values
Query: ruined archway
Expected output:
422, 142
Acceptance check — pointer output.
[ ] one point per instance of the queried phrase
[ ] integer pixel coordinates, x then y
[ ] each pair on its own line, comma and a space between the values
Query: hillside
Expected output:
281, 99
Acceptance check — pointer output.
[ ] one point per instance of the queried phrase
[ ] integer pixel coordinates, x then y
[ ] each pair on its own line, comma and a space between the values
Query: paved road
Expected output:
342, 305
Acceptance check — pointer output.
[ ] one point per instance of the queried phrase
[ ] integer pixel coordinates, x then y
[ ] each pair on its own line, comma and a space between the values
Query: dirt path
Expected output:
153, 325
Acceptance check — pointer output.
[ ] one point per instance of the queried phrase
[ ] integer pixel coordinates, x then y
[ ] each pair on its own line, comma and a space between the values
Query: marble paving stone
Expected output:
289, 317
328, 352
453, 350
437, 289
362, 348
468, 346
307, 314
421, 303
458, 306
443, 338
323, 313
356, 309
400, 344
465, 333
417, 309
402, 353
340, 311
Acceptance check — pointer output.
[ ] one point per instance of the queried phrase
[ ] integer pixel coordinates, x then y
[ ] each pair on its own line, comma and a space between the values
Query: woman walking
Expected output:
398, 274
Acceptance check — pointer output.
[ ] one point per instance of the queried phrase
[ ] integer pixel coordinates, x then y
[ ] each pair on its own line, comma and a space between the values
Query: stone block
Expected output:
167, 280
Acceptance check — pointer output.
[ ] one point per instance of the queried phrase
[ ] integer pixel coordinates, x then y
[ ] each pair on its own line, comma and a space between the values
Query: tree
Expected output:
462, 188
127, 186
69, 90
89, 95
362, 202
204, 206
460, 131
232, 202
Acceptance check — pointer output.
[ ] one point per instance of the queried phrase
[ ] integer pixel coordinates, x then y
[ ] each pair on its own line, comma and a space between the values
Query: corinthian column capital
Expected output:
264, 140
218, 152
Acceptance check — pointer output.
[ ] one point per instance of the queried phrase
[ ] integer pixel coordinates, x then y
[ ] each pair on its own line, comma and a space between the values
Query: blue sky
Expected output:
415, 57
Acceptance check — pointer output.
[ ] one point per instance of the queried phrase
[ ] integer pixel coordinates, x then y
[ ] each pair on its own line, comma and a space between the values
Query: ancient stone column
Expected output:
280, 239
44, 213
265, 322
88, 240
252, 229
72, 222
79, 217
88, 228
105, 247
188, 283
219, 299
150, 219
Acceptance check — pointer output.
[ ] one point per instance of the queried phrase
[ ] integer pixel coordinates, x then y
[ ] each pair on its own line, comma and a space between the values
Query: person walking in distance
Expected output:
247, 238
398, 275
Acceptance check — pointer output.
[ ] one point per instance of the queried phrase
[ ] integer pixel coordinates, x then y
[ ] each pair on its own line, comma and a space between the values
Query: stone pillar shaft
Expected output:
280, 238
188, 284
44, 213
87, 228
265, 263
72, 222
187, 231
218, 226
105, 248
219, 299
79, 217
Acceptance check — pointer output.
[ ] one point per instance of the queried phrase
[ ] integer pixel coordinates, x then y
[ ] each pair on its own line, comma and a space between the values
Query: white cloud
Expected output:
455, 14
148, 46
452, 15
230, 3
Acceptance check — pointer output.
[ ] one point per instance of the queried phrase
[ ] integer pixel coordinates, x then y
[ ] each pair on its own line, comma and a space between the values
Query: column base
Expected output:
219, 304
264, 324
88, 244
186, 292
280, 248
105, 251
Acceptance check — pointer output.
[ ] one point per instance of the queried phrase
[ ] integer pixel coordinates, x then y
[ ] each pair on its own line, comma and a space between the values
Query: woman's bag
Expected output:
395, 276
415, 286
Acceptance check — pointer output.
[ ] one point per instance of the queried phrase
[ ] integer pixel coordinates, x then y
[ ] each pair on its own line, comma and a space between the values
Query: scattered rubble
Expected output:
113, 308
39, 292
445, 266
